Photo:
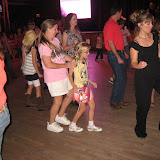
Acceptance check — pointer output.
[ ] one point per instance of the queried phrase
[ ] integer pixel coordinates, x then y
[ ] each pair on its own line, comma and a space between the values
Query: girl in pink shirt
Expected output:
55, 74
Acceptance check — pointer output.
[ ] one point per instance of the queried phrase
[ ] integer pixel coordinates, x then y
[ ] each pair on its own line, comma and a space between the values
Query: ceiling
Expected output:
24, 2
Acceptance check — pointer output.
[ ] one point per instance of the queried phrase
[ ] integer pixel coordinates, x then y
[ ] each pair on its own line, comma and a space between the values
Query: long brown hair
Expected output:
48, 23
67, 22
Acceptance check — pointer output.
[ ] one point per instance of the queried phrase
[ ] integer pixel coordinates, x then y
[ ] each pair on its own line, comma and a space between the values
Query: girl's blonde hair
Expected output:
79, 48
140, 16
48, 23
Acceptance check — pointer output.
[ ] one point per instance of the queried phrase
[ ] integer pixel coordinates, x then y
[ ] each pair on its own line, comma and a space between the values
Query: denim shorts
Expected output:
4, 120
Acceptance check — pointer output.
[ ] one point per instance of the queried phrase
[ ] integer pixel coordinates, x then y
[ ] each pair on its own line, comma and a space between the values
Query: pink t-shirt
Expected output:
53, 75
3, 80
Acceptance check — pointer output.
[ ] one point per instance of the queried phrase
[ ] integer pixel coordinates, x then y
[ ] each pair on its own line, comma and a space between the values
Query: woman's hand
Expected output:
75, 42
70, 64
73, 62
142, 64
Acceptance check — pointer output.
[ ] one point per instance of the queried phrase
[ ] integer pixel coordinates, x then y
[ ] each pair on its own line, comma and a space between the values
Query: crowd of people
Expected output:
64, 63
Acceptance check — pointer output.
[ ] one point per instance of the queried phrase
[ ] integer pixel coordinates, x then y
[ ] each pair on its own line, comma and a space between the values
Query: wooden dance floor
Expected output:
27, 138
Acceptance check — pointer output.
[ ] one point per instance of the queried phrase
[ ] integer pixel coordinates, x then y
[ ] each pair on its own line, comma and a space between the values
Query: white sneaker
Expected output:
54, 127
94, 128
62, 120
75, 128
111, 80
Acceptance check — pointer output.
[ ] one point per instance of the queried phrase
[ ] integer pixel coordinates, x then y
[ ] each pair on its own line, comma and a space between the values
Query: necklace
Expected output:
147, 37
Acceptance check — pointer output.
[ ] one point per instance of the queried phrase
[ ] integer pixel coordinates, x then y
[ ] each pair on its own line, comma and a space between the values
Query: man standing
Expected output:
114, 43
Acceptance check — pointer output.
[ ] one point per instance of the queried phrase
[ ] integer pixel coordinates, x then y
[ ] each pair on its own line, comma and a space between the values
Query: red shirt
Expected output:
3, 80
112, 32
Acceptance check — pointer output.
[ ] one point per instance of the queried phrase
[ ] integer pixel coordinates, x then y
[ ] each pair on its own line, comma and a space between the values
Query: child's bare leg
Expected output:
67, 100
91, 125
82, 109
38, 91
30, 88
57, 101
91, 109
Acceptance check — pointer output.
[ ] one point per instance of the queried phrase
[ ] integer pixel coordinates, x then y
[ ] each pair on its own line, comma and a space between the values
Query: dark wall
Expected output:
100, 11
51, 9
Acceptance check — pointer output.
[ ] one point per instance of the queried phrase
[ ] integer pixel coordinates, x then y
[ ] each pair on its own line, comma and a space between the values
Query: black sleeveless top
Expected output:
149, 55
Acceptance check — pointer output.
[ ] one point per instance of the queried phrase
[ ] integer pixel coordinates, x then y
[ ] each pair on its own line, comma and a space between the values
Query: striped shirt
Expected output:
28, 68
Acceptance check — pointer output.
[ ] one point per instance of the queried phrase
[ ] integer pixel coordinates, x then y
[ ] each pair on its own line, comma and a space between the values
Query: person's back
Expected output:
28, 67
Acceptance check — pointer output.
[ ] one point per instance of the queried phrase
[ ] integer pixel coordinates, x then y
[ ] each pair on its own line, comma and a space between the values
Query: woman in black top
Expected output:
145, 59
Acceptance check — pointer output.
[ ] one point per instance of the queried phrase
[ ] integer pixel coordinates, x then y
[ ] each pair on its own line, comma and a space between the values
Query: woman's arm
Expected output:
134, 60
51, 65
64, 42
34, 60
68, 58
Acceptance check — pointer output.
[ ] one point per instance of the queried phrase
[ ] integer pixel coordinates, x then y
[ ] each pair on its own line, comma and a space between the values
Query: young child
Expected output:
99, 46
30, 69
55, 74
82, 92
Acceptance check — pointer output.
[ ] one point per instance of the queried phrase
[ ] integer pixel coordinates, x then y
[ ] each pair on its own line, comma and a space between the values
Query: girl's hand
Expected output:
75, 88
142, 65
40, 75
94, 85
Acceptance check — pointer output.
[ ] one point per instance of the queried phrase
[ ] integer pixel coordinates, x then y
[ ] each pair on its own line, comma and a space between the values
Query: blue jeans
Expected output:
4, 122
127, 49
119, 70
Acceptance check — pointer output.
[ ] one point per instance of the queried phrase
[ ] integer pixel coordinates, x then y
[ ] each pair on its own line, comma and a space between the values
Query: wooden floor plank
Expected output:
27, 137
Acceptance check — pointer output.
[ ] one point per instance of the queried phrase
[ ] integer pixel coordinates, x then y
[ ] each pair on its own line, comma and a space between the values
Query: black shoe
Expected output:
75, 103
140, 135
159, 125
